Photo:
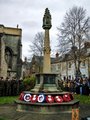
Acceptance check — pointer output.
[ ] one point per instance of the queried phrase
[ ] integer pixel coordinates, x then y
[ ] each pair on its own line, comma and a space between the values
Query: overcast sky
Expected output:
28, 14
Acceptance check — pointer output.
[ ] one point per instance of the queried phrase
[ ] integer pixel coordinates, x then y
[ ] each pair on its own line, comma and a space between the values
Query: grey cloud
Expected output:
30, 24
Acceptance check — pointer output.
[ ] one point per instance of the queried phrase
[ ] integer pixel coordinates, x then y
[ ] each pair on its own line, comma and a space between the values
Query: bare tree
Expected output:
37, 45
73, 32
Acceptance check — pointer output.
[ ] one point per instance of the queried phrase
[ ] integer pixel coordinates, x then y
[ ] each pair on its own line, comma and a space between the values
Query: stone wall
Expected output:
11, 50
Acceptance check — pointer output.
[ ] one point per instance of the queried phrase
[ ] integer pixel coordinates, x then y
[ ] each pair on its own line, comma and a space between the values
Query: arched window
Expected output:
8, 57
69, 65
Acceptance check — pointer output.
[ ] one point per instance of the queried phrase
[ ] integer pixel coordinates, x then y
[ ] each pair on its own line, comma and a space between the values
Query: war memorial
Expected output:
45, 98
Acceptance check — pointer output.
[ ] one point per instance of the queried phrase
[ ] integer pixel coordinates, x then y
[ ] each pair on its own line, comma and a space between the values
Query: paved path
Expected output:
9, 112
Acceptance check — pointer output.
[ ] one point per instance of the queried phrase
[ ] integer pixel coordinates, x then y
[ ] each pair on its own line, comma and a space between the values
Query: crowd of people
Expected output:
13, 87
79, 85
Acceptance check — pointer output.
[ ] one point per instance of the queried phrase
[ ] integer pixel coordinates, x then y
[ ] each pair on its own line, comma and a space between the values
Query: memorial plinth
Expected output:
48, 108
46, 82
45, 98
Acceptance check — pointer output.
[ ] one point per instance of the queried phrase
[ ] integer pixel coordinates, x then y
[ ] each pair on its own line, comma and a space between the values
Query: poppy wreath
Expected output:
21, 97
58, 99
27, 97
49, 99
34, 98
66, 97
41, 98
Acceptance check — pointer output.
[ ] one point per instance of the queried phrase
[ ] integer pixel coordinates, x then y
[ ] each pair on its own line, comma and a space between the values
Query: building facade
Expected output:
65, 67
10, 52
62, 65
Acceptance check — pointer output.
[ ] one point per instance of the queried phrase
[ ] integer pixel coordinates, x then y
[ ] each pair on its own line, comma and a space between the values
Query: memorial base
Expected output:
63, 111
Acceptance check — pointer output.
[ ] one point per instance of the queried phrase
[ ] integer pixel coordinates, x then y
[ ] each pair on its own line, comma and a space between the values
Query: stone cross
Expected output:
46, 26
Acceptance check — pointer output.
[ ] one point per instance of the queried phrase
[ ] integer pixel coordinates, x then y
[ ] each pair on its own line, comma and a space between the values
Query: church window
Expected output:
8, 57
69, 65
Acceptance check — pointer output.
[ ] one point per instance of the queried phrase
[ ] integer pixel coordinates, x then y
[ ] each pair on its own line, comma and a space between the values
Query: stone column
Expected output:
47, 25
46, 60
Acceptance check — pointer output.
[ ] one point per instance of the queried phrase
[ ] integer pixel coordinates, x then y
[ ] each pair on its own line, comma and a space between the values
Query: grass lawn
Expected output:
83, 99
10, 99
3, 119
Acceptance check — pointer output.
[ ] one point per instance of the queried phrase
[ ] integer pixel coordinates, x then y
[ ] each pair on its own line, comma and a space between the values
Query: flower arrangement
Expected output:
40, 98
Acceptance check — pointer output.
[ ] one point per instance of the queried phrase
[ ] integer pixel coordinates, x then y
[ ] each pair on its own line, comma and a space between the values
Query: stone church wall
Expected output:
3, 62
11, 52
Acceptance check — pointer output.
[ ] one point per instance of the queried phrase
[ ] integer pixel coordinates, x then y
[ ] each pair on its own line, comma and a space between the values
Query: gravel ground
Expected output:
9, 112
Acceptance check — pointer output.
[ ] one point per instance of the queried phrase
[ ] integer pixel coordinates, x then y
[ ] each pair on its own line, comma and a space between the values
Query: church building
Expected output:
10, 52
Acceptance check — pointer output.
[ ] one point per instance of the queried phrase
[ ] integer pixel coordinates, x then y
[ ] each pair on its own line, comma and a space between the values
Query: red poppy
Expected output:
58, 99
34, 98
21, 97
49, 99
66, 98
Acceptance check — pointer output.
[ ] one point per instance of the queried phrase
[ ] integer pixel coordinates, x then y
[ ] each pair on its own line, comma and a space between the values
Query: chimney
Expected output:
25, 59
57, 55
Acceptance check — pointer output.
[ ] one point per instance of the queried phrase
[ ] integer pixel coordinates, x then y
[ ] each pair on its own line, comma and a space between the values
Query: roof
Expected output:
10, 30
